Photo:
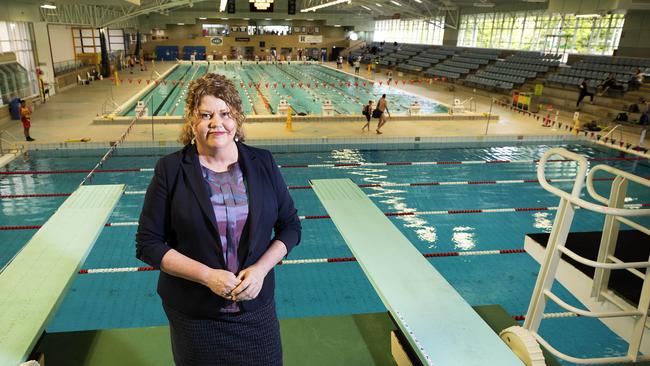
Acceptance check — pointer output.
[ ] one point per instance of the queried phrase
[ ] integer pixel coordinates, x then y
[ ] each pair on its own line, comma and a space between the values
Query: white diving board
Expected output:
33, 284
440, 325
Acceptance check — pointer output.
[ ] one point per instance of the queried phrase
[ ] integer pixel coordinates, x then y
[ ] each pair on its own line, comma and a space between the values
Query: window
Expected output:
115, 40
16, 37
86, 40
415, 31
539, 31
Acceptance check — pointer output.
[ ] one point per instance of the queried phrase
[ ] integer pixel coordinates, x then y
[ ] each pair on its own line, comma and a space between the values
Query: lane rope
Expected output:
367, 185
315, 260
293, 166
389, 214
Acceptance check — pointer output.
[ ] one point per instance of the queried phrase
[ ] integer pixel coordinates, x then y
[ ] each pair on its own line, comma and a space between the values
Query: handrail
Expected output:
610, 131
613, 171
613, 208
16, 146
574, 197
571, 254
587, 313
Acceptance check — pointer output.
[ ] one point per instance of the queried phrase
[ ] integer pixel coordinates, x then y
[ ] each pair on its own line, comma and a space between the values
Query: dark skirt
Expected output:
244, 338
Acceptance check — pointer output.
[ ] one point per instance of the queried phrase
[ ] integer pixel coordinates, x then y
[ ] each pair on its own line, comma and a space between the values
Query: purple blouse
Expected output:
230, 204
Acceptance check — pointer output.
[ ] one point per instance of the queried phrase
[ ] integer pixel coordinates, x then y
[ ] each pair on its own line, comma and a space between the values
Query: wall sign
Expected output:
310, 39
216, 41
242, 39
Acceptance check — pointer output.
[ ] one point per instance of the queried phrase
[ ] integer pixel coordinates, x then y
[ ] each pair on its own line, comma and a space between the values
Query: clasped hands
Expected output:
245, 286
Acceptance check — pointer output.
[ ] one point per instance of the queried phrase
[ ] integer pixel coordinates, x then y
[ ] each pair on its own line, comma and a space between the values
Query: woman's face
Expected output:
214, 125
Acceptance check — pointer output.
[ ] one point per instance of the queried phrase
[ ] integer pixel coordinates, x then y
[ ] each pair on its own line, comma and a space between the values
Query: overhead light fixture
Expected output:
365, 7
331, 3
587, 15
222, 5
484, 4
337, 25
267, 18
288, 20
395, 2
261, 4
180, 23
418, 1
48, 6
202, 18
224, 18
246, 18
310, 20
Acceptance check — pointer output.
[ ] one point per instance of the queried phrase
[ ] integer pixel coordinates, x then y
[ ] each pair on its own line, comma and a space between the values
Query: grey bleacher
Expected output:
400, 56
466, 65
432, 59
490, 83
538, 55
534, 61
609, 68
442, 73
517, 72
516, 80
583, 73
480, 55
472, 60
563, 80
520, 65
631, 62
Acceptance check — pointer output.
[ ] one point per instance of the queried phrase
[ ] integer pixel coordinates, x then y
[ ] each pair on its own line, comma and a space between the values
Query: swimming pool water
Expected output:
114, 300
262, 86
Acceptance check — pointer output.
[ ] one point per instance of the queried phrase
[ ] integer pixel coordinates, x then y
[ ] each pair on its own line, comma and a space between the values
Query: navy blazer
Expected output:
178, 214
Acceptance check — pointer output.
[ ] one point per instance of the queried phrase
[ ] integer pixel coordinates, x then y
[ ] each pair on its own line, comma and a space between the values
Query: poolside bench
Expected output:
35, 281
438, 323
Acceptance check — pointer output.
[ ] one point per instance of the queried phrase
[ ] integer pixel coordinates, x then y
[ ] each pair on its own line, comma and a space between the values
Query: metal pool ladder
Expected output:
615, 213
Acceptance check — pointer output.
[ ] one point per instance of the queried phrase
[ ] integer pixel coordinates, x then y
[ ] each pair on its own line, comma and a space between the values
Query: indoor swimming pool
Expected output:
448, 200
262, 86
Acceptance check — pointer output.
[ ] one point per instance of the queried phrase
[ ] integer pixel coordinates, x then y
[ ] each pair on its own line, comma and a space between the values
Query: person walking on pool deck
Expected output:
380, 113
26, 119
367, 111
208, 216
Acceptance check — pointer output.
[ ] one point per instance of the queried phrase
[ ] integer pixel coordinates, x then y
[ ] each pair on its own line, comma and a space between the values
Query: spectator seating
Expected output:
489, 83
462, 64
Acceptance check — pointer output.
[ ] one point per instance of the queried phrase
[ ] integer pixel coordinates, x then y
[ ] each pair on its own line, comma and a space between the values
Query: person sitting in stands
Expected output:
608, 83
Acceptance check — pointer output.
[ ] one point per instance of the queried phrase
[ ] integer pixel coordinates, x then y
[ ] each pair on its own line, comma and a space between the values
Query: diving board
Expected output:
440, 325
35, 281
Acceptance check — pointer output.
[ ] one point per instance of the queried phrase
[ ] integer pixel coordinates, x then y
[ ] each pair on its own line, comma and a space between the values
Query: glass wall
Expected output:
17, 79
418, 31
539, 31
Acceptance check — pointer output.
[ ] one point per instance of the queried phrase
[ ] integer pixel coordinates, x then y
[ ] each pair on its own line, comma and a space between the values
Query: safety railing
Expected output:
615, 213
620, 130
9, 143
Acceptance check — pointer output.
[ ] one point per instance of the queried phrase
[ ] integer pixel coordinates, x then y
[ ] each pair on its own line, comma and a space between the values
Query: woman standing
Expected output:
206, 222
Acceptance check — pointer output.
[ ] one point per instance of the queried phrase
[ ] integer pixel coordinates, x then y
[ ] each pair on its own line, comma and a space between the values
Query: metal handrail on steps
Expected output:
15, 146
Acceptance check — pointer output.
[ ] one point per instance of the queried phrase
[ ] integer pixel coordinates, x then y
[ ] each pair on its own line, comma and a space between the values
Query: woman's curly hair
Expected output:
217, 86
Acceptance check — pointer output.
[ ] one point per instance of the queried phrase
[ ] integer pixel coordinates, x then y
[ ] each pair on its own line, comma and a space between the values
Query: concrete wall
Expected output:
190, 35
635, 39
61, 41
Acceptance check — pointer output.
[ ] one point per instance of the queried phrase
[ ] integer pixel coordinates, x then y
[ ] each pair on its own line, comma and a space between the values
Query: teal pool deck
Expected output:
262, 87
36, 280
440, 325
